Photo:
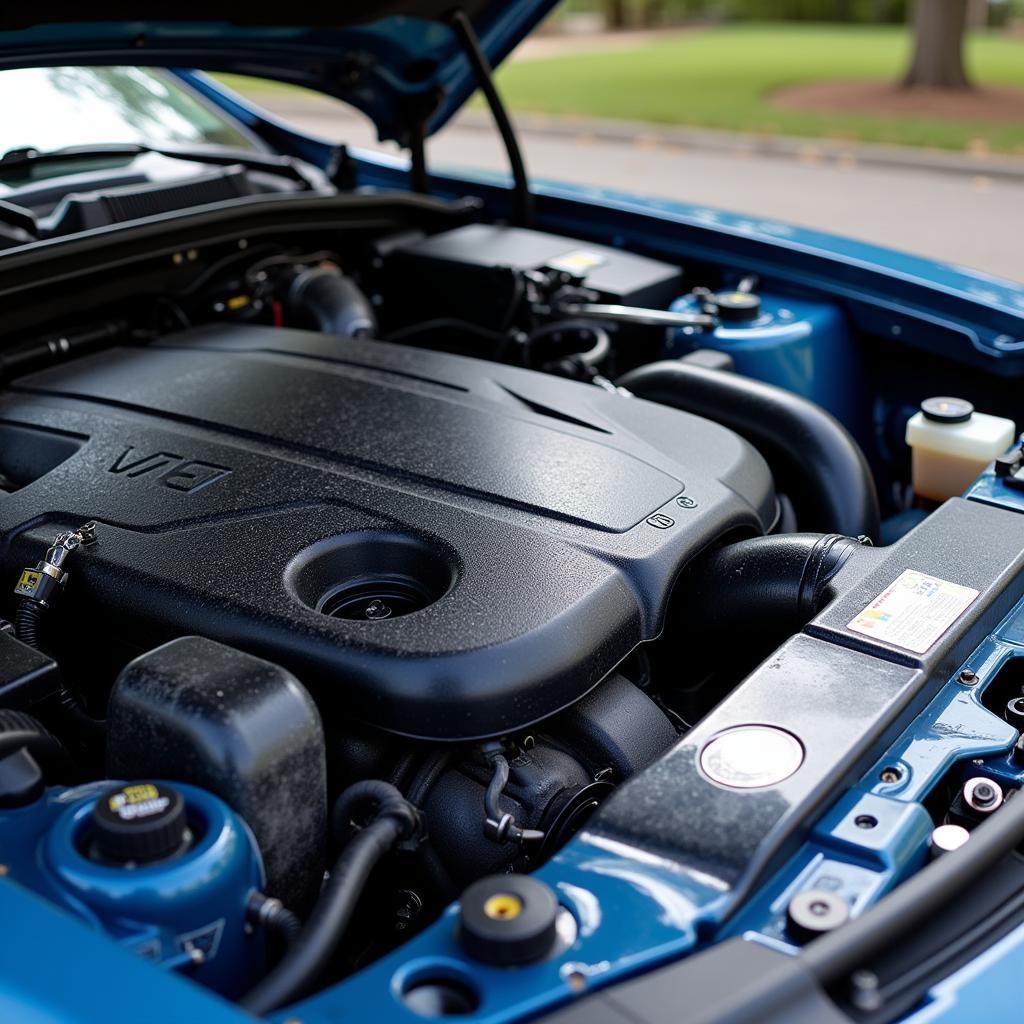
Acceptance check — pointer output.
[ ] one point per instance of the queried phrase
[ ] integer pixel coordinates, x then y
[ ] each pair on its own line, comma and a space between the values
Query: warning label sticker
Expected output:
914, 611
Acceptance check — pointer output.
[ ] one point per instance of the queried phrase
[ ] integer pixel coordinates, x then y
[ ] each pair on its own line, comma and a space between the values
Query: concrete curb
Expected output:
646, 135
740, 144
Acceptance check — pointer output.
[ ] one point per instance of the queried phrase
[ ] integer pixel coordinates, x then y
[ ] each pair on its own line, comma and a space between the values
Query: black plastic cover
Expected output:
196, 711
27, 676
469, 272
245, 477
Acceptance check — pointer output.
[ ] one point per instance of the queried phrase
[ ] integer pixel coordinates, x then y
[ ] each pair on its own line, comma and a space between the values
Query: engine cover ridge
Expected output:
442, 547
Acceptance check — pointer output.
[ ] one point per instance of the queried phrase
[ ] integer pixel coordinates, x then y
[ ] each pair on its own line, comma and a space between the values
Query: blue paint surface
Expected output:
160, 911
802, 346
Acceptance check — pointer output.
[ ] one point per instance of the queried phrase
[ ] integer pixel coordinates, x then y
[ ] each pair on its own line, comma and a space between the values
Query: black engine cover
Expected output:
245, 477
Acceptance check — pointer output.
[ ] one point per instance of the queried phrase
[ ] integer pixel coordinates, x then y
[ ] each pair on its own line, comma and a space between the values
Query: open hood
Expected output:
399, 62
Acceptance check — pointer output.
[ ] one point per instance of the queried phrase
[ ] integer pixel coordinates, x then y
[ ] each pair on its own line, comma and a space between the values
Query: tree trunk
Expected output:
615, 14
939, 29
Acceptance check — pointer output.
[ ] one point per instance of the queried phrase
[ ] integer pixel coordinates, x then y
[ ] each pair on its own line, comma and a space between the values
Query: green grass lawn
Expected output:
724, 78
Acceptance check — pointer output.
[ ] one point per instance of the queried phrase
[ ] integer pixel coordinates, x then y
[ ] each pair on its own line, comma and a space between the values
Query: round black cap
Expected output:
947, 410
814, 912
139, 822
508, 919
737, 307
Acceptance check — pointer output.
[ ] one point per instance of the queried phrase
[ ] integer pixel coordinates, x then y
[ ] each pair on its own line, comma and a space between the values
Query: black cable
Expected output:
522, 200
395, 819
500, 826
450, 322
418, 177
28, 622
424, 780
499, 780
599, 350
835, 955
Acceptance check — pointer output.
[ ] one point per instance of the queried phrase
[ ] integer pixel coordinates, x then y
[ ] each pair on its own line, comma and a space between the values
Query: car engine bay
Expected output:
371, 522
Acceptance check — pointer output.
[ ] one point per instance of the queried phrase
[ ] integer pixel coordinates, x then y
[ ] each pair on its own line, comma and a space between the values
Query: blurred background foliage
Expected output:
654, 13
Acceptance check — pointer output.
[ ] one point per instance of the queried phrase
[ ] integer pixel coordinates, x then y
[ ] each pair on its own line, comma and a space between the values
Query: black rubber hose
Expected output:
333, 303
836, 954
768, 584
816, 462
395, 819
27, 622
275, 918
20, 731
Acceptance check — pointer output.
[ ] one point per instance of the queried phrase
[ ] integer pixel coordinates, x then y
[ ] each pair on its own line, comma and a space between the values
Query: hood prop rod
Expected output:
522, 200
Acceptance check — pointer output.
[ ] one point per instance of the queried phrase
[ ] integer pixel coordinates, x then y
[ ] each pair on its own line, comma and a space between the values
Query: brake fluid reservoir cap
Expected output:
139, 823
737, 307
508, 919
947, 410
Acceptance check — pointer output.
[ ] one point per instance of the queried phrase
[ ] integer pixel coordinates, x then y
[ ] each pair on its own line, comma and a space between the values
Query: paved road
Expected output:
971, 220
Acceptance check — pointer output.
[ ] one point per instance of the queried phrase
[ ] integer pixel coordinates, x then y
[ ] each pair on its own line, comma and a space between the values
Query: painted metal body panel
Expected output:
802, 346
159, 912
385, 68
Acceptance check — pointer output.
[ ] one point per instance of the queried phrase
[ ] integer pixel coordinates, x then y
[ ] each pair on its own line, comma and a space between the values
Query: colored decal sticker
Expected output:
914, 611
578, 262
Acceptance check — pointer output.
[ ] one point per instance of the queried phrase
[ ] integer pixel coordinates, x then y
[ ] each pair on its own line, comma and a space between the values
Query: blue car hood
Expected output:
396, 61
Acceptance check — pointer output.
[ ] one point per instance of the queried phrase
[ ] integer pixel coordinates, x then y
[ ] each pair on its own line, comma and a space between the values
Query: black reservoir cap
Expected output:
947, 410
508, 919
139, 823
737, 307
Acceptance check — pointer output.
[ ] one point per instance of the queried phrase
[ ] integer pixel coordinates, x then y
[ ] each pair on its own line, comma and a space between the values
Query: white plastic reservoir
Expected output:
951, 444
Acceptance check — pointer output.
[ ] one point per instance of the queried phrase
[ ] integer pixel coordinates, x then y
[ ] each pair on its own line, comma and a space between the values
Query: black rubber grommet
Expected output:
508, 919
815, 912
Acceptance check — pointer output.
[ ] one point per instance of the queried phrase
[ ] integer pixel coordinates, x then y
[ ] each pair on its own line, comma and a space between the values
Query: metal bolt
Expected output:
576, 980
377, 609
890, 775
968, 677
864, 993
408, 908
982, 795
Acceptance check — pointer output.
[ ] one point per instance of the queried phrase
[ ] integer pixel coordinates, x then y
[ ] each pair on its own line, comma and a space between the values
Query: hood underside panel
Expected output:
392, 61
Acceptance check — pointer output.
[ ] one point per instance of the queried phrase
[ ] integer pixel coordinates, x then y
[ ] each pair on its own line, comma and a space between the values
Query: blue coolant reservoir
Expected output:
800, 345
185, 907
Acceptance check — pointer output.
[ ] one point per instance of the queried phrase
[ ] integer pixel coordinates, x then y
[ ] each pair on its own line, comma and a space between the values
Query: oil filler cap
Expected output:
139, 823
508, 919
